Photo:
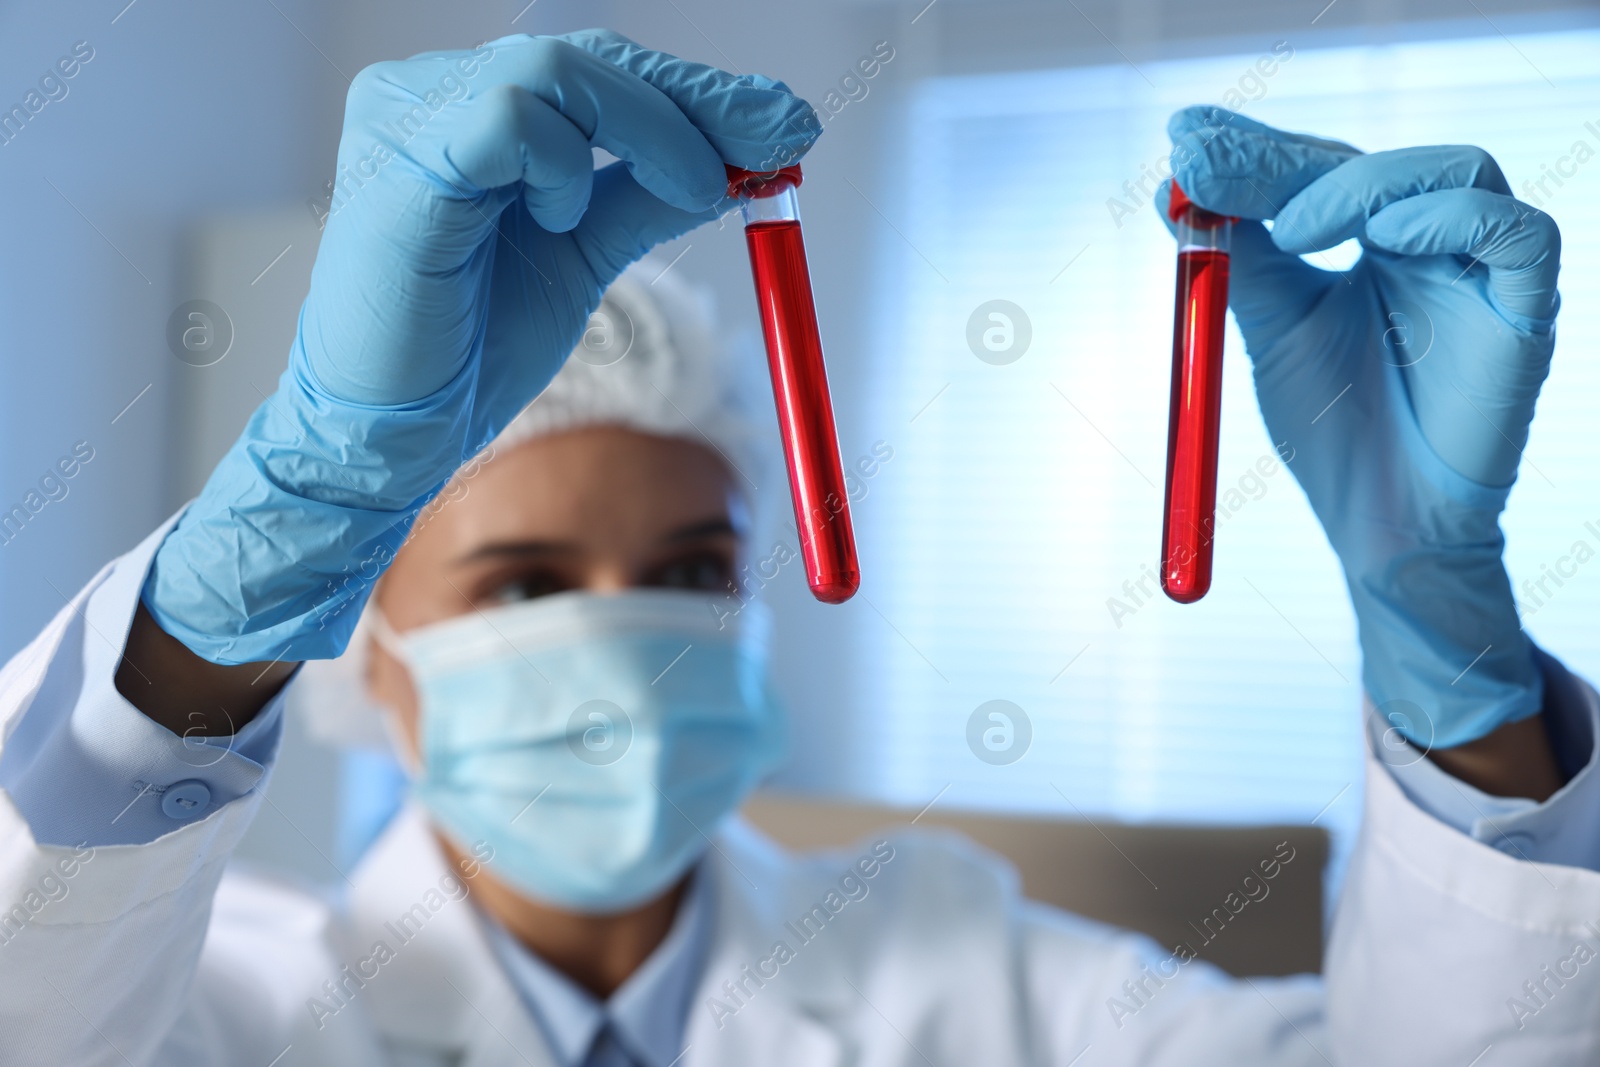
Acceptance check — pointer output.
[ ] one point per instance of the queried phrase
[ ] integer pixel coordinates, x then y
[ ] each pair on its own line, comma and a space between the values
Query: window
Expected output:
1025, 509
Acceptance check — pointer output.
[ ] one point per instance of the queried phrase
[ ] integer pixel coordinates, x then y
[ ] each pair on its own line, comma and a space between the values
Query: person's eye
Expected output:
528, 586
709, 571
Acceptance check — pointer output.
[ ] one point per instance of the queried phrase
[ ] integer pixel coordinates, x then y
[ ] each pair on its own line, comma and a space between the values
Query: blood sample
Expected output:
1189, 523
799, 379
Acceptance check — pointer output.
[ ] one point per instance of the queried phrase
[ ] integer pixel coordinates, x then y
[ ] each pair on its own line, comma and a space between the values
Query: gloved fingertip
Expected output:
695, 190
773, 133
1194, 168
508, 41
1393, 230
552, 221
601, 34
561, 209
1188, 119
1163, 197
799, 119
762, 83
1311, 223
1291, 239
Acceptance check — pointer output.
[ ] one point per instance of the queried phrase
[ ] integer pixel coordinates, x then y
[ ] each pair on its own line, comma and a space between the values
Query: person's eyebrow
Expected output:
516, 550
696, 531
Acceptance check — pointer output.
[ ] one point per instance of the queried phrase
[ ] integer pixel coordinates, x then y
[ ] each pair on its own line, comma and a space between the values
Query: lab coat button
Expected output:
185, 800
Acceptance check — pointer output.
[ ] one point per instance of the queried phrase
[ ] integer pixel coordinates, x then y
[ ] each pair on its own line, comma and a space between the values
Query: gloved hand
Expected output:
1404, 387
469, 239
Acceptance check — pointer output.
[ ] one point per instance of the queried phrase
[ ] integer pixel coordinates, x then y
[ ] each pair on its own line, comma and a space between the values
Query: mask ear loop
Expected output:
382, 633
385, 637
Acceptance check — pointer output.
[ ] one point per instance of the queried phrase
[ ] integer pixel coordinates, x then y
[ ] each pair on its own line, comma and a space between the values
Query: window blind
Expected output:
1014, 548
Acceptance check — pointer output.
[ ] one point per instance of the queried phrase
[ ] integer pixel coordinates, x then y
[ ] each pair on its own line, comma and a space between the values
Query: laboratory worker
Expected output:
536, 603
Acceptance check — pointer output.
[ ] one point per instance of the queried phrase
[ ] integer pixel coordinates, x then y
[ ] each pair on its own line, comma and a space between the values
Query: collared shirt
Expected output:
644, 1020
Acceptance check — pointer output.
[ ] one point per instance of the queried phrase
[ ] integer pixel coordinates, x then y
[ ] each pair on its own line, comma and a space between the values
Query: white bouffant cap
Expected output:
652, 359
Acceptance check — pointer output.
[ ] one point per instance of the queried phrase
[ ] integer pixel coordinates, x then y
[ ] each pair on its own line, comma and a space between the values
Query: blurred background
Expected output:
997, 160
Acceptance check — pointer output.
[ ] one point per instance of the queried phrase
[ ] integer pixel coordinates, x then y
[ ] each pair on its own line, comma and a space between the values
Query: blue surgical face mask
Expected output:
593, 741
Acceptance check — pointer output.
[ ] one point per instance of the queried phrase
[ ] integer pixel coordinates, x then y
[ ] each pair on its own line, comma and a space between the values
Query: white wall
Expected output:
186, 107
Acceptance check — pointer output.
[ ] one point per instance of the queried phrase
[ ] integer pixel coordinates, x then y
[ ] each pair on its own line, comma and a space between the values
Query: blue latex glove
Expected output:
469, 240
1404, 386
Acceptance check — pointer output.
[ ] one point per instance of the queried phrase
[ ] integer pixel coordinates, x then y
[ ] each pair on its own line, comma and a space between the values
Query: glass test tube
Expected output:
799, 379
1189, 523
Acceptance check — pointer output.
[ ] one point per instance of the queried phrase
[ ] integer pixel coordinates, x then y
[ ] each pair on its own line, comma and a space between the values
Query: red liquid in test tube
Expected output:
799, 379
1189, 523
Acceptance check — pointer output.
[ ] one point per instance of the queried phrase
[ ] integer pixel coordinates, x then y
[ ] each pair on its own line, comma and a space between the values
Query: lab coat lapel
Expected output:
793, 1019
443, 989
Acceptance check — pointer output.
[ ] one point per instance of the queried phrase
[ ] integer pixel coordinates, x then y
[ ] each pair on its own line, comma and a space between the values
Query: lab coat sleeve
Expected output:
1464, 934
84, 766
99, 941
1102, 997
1449, 943
1564, 829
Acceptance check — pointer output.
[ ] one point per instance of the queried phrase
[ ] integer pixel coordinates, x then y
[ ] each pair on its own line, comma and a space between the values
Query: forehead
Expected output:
589, 486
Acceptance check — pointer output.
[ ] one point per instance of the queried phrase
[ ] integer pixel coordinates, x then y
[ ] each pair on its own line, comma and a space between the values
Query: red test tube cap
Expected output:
755, 184
1200, 217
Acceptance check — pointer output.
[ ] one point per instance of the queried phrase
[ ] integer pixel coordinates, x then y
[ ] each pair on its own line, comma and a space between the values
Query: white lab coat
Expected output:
158, 955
